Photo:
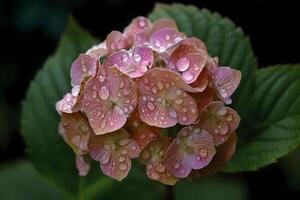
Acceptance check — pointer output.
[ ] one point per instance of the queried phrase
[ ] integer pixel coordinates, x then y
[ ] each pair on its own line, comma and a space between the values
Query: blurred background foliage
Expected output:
30, 30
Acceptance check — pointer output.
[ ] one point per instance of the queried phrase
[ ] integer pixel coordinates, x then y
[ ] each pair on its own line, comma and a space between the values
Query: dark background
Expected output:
30, 30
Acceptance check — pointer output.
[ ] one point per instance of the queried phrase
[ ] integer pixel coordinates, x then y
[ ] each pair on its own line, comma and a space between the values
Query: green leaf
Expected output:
50, 155
21, 181
222, 37
274, 121
211, 188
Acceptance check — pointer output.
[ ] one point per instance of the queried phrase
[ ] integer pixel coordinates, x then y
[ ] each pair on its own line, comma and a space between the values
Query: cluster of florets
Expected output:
154, 94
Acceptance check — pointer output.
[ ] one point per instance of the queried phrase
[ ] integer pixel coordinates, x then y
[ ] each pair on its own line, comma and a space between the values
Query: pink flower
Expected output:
163, 99
129, 93
108, 100
219, 120
153, 156
193, 148
114, 152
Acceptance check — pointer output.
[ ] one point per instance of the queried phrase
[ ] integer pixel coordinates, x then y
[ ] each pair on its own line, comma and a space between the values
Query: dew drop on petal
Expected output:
160, 85
150, 106
187, 76
229, 118
182, 64
137, 57
154, 175
123, 166
160, 168
105, 158
203, 153
184, 118
124, 57
172, 113
122, 158
222, 111
124, 142
103, 93
122, 83
124, 151
179, 101
157, 43
176, 166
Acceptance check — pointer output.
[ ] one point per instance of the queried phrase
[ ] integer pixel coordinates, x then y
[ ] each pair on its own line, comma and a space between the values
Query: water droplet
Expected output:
124, 151
122, 83
172, 113
178, 92
160, 168
222, 111
105, 158
103, 93
184, 133
184, 118
124, 142
157, 43
229, 118
177, 39
160, 85
216, 130
154, 175
124, 57
126, 91
184, 109
182, 64
187, 76
103, 124
203, 153
193, 110
150, 106
179, 101
137, 57
122, 158
133, 148
161, 153
167, 37
123, 166
176, 166
196, 130
142, 23
154, 90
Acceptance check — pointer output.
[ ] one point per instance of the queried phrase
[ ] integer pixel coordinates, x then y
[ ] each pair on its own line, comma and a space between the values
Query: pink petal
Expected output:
115, 41
134, 63
193, 148
114, 151
165, 38
84, 66
108, 100
66, 104
223, 155
162, 94
82, 166
188, 61
76, 131
226, 81
163, 24
153, 155
135, 27
219, 120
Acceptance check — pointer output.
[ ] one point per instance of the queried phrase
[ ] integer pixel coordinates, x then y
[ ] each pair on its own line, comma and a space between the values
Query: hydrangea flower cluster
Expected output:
154, 94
